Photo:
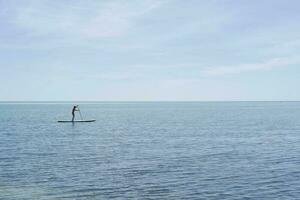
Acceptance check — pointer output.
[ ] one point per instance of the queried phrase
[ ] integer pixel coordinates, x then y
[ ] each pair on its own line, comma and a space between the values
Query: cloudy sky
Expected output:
149, 50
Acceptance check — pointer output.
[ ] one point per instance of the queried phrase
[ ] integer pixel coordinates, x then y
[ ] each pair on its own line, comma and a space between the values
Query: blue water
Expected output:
209, 150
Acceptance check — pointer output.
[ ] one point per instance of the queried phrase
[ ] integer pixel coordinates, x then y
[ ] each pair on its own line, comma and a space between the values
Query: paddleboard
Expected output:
75, 121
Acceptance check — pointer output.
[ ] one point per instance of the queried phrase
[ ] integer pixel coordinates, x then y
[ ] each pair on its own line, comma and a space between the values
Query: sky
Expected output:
149, 50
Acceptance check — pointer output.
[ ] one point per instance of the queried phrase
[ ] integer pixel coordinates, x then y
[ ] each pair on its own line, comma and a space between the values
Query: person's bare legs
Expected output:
73, 116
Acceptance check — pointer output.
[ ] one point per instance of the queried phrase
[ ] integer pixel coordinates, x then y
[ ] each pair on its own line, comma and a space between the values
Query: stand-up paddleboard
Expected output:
75, 121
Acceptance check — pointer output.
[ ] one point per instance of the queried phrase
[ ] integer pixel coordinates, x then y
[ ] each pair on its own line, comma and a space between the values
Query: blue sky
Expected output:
149, 50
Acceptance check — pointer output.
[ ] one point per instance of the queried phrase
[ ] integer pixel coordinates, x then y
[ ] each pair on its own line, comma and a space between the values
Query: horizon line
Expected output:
137, 101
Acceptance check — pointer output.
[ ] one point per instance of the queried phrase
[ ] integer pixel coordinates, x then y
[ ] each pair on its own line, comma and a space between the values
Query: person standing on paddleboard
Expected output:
73, 112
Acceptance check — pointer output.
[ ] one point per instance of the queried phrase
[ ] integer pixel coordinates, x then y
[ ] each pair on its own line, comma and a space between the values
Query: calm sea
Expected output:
205, 150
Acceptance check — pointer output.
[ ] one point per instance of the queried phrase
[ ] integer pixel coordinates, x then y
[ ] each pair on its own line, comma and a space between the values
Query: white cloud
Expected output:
82, 19
268, 65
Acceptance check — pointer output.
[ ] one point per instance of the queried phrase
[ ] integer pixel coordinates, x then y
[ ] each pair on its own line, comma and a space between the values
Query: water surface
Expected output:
205, 150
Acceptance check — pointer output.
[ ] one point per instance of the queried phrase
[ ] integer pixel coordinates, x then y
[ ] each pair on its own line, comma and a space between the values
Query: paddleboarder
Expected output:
75, 108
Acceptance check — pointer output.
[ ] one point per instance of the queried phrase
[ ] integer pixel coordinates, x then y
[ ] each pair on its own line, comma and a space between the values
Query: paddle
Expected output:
79, 112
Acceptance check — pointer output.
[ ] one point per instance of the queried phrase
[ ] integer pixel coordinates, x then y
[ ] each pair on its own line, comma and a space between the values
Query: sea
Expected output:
150, 150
